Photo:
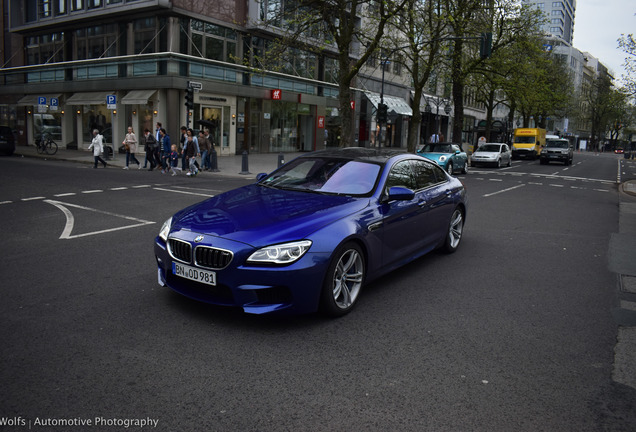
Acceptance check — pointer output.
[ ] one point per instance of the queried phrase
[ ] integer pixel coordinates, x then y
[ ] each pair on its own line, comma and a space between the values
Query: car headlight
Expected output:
442, 158
285, 253
165, 230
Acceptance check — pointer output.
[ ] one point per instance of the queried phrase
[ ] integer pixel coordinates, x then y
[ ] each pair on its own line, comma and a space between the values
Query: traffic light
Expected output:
189, 98
485, 45
382, 113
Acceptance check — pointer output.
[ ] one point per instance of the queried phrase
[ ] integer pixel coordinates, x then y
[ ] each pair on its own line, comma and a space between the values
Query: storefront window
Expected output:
48, 124
97, 117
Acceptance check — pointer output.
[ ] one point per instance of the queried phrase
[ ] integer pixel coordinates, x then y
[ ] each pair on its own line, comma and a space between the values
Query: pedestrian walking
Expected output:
97, 145
182, 144
150, 146
166, 149
191, 152
130, 142
204, 147
173, 160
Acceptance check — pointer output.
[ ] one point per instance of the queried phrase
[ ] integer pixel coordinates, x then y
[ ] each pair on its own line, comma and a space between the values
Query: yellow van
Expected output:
528, 143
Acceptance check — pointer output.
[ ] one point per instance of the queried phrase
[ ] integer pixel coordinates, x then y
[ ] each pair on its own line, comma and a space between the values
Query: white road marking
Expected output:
70, 220
504, 190
183, 192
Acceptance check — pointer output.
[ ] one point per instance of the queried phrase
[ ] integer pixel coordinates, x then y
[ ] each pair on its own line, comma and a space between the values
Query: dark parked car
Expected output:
312, 233
557, 150
7, 141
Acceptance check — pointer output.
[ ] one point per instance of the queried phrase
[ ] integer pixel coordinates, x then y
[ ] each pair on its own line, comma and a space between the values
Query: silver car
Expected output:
496, 154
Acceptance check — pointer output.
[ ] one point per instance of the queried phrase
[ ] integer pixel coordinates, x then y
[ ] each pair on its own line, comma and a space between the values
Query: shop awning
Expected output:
88, 98
138, 97
32, 100
395, 105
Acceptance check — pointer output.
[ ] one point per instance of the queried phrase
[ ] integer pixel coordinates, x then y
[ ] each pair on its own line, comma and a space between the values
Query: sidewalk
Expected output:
233, 165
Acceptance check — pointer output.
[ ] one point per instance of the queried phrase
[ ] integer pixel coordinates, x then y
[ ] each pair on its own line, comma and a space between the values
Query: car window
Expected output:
402, 174
489, 148
426, 174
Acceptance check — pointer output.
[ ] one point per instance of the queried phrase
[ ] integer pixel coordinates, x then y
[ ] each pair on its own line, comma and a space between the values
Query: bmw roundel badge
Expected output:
198, 239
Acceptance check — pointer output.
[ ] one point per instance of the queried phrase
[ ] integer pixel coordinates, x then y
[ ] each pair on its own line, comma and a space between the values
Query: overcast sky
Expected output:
597, 26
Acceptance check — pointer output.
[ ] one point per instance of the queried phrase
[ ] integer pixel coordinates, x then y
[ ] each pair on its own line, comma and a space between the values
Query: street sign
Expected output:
111, 102
41, 100
195, 85
54, 104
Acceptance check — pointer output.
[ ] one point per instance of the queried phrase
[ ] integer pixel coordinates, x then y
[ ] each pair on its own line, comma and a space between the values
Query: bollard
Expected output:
214, 163
245, 164
281, 160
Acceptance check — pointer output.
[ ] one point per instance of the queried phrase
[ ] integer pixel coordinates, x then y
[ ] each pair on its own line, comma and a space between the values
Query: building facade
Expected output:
72, 66
559, 17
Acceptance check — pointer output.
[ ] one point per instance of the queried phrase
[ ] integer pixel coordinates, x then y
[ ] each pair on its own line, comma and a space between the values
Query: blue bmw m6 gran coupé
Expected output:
308, 236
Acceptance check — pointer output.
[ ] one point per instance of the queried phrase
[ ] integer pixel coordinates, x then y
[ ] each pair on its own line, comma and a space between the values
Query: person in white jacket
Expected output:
98, 148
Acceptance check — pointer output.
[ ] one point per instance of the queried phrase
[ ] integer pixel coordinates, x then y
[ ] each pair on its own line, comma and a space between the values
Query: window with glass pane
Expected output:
60, 7
44, 8
144, 34
214, 48
77, 5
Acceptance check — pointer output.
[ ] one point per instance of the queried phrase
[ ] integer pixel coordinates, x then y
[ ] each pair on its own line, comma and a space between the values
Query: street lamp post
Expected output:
437, 101
381, 113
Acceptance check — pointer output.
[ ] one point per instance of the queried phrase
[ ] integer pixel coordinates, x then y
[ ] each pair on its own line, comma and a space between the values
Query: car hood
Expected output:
487, 154
259, 216
435, 156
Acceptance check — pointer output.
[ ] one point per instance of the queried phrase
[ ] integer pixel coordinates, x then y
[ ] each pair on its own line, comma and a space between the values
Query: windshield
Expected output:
558, 144
437, 148
325, 175
524, 139
489, 148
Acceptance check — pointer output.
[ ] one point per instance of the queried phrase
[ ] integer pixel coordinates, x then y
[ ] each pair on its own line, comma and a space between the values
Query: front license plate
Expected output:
193, 273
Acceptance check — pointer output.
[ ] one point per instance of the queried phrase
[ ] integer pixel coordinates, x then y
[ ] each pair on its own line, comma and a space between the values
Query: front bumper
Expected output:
291, 289
524, 154
557, 157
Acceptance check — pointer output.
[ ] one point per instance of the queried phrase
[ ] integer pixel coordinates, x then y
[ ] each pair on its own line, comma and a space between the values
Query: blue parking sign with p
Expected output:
41, 100
111, 101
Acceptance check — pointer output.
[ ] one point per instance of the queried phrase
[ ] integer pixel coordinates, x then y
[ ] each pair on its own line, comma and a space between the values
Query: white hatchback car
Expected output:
496, 154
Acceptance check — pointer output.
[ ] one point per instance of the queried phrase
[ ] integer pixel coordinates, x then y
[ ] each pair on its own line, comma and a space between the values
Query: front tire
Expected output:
449, 168
455, 231
465, 170
343, 280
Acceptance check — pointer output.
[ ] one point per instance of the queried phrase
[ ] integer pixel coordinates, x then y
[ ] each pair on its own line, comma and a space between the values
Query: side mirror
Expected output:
400, 193
260, 176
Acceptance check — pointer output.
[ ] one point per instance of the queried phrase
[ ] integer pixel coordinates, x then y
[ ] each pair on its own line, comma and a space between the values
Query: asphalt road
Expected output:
514, 332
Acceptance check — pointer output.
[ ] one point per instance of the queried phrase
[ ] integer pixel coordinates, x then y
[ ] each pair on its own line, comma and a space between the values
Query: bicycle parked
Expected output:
45, 144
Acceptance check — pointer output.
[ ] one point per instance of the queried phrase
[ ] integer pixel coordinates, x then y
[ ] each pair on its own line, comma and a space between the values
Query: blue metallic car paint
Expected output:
390, 234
